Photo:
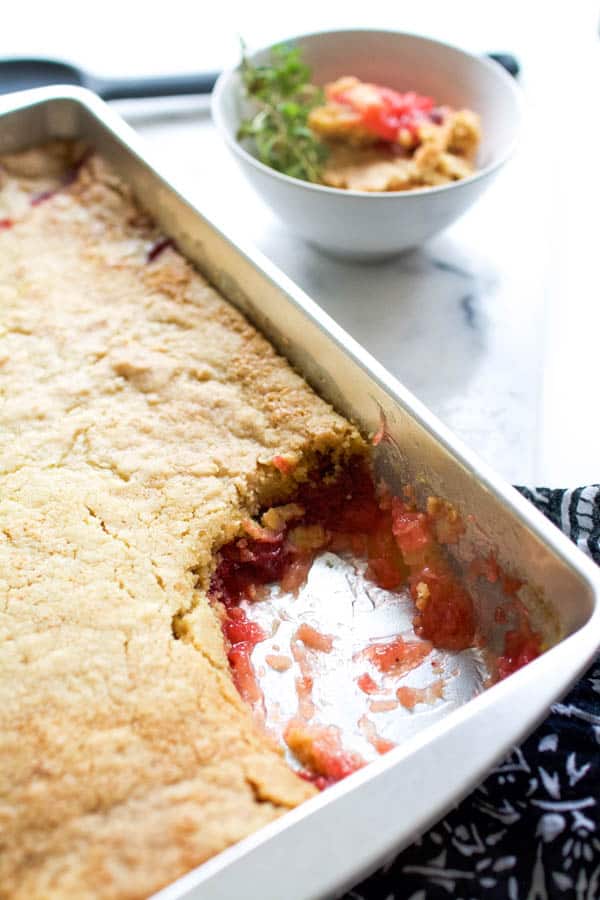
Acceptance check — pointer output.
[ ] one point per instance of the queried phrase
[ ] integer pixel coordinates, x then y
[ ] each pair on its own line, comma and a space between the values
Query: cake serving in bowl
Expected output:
396, 154
353, 134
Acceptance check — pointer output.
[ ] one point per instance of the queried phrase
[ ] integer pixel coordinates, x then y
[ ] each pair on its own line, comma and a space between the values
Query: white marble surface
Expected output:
496, 323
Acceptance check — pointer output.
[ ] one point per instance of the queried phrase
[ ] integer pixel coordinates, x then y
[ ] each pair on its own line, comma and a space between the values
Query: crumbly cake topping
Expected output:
382, 140
140, 418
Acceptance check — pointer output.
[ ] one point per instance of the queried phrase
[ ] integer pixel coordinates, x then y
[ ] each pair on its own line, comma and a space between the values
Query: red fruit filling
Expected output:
490, 569
304, 682
384, 111
369, 731
247, 563
411, 529
157, 248
366, 684
398, 657
446, 616
521, 646
283, 465
346, 505
242, 637
314, 639
410, 696
401, 546
319, 748
386, 566
278, 662
6, 223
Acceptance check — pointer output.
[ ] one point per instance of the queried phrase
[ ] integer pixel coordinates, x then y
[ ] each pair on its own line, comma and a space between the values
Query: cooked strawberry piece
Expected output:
510, 585
410, 696
411, 529
446, 616
319, 748
304, 682
238, 629
319, 781
242, 637
379, 706
6, 223
520, 647
296, 573
386, 566
398, 656
278, 662
490, 569
487, 568
379, 435
243, 673
284, 465
383, 111
381, 744
366, 684
384, 573
314, 639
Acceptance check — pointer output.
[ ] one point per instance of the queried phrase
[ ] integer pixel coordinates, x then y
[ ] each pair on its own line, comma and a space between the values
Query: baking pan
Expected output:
333, 840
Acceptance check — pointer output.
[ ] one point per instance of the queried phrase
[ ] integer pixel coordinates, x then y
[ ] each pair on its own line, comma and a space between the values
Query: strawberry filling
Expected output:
319, 748
521, 646
157, 248
242, 637
384, 111
446, 616
401, 545
245, 564
398, 657
285, 466
366, 684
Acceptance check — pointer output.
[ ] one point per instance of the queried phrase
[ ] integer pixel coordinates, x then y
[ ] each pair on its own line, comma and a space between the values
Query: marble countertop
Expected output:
495, 323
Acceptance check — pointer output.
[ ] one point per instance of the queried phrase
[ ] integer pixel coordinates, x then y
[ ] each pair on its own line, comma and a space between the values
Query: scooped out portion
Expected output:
382, 140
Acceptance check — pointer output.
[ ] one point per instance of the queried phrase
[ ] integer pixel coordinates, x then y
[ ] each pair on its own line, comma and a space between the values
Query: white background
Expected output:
521, 387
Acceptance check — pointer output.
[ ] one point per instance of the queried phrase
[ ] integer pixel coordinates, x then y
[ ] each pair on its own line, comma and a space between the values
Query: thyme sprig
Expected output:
283, 96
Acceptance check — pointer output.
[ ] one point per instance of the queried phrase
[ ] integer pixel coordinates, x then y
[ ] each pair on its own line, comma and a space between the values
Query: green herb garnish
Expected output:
279, 129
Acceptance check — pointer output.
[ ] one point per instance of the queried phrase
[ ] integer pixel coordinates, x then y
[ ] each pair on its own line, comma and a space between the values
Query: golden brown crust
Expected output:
141, 414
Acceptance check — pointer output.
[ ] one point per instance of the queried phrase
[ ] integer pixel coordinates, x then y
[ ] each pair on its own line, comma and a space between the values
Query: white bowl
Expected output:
370, 226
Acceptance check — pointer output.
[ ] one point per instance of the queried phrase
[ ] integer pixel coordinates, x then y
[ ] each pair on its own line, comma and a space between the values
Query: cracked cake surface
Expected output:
140, 415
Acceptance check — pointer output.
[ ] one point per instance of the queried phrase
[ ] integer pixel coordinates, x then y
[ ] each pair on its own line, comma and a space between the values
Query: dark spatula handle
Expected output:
162, 86
507, 61
201, 82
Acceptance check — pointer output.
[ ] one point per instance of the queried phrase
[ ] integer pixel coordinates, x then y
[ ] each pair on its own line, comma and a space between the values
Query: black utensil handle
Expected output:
203, 82
162, 86
507, 61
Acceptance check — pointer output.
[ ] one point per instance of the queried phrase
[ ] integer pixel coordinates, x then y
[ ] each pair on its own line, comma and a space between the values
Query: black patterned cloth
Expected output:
531, 831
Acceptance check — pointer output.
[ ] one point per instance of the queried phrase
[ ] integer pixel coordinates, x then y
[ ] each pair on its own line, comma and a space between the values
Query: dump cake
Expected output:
160, 466
143, 420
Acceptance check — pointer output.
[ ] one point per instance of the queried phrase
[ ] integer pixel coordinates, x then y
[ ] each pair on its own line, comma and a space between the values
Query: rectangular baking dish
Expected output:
333, 840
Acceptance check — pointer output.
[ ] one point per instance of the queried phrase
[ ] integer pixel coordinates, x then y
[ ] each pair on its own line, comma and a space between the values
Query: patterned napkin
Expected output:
531, 831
